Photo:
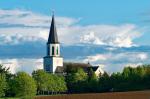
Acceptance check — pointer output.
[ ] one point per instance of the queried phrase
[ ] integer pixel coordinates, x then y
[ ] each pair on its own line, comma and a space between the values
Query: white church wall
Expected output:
99, 71
57, 61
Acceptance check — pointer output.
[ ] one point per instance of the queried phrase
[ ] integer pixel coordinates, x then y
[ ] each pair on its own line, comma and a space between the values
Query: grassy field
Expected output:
9, 98
114, 95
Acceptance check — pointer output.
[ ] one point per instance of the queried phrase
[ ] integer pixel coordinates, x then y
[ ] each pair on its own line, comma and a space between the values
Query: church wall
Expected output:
48, 64
57, 61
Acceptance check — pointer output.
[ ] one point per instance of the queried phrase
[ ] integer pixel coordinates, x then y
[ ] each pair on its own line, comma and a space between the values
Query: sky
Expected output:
121, 28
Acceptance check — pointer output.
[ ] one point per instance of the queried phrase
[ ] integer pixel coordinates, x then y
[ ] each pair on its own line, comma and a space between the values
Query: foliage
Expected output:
24, 86
104, 83
76, 80
3, 84
130, 79
41, 78
3, 70
56, 83
47, 82
92, 82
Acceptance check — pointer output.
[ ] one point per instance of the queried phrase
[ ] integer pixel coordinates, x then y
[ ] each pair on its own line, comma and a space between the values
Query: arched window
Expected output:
57, 50
53, 50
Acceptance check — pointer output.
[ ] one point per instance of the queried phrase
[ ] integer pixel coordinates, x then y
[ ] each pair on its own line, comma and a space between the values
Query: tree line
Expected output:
75, 80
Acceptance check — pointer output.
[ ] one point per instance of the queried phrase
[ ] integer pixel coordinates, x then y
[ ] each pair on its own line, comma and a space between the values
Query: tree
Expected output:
3, 70
92, 76
42, 80
24, 86
3, 84
92, 81
47, 82
8, 76
104, 83
56, 83
76, 81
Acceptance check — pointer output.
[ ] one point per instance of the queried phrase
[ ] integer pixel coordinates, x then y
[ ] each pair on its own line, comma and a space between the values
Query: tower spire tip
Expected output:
53, 12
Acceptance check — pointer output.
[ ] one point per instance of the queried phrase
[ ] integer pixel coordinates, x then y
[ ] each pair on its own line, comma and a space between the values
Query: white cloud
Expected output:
120, 36
17, 39
133, 65
91, 38
29, 18
27, 23
27, 65
114, 62
95, 58
142, 56
11, 64
110, 62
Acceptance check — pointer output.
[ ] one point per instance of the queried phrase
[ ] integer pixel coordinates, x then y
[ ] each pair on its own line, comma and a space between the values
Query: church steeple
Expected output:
53, 46
53, 39
53, 59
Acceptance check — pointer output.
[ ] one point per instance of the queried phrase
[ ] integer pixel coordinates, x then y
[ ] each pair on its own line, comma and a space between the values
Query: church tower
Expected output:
53, 59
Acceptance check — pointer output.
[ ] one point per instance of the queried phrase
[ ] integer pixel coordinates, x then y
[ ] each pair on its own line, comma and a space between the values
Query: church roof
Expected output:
94, 68
85, 67
53, 38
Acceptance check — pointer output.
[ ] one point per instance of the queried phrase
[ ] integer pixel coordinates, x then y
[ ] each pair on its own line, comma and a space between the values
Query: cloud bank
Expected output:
25, 33
33, 26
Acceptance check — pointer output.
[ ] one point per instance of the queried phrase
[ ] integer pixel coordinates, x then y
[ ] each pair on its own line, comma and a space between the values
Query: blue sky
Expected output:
92, 11
101, 28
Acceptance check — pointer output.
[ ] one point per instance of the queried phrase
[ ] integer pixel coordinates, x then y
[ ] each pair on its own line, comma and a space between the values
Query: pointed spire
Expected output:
53, 32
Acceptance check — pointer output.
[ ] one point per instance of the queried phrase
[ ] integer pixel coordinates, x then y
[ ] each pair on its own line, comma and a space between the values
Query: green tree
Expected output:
76, 81
146, 78
92, 76
92, 81
80, 75
3, 84
4, 70
47, 82
56, 83
42, 80
8, 76
24, 86
104, 83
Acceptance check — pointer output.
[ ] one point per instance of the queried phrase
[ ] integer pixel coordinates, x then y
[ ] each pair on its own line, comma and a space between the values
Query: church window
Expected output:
57, 50
52, 50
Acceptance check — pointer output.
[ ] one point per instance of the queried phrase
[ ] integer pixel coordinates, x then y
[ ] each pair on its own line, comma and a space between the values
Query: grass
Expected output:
113, 95
9, 98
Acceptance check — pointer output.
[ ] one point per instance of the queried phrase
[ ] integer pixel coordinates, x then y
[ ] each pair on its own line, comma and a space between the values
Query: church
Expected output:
53, 62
